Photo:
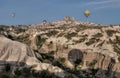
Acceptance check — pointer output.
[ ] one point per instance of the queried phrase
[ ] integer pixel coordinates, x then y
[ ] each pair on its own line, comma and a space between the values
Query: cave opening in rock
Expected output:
75, 56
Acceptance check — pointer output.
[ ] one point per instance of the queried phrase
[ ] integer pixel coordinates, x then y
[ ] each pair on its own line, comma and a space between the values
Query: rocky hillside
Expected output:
83, 49
19, 55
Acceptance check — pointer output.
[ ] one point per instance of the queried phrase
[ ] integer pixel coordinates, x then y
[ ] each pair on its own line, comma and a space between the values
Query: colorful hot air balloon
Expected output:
87, 13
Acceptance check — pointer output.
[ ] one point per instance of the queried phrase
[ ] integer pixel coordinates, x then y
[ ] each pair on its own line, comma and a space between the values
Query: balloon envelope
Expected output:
12, 14
87, 13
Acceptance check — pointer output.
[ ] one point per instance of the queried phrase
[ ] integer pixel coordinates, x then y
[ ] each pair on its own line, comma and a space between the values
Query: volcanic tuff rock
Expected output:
100, 45
13, 51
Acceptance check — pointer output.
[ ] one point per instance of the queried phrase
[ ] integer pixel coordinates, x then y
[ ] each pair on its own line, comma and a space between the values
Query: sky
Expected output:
20, 12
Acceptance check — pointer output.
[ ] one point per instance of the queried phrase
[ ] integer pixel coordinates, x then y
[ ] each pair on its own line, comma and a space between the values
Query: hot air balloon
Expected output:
87, 13
12, 14
44, 21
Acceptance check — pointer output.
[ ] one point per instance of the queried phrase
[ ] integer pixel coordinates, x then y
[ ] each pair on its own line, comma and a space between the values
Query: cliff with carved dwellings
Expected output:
92, 50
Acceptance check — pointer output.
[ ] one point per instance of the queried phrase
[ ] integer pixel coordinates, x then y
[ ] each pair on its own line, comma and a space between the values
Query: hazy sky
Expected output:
34, 11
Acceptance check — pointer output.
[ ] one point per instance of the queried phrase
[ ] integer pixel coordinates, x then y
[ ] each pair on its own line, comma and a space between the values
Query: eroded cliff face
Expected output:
99, 45
16, 52
106, 66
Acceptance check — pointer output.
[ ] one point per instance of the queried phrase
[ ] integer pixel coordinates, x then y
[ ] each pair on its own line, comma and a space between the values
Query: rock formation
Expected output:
16, 52
99, 47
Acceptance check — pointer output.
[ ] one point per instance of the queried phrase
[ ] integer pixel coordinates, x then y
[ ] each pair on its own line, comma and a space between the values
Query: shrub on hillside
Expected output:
98, 35
118, 40
110, 32
61, 60
40, 41
91, 41
80, 40
70, 35
52, 33
92, 64
5, 76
